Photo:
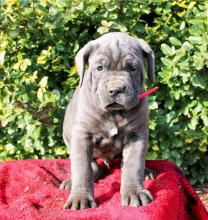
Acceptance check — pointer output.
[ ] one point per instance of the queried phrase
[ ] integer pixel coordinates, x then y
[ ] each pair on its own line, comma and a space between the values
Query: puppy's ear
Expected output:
149, 56
81, 59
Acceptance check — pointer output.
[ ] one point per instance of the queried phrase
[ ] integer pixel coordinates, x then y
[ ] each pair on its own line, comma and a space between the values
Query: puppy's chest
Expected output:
109, 139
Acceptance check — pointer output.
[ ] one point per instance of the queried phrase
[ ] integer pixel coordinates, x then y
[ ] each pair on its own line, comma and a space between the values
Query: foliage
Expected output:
38, 43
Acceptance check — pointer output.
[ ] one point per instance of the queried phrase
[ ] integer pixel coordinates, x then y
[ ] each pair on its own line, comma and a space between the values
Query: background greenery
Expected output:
38, 43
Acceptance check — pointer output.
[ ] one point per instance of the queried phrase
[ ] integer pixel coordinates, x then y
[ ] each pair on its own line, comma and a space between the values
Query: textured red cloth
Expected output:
29, 190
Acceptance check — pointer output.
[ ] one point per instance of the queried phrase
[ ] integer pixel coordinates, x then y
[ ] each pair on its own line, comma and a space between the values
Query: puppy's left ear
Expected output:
81, 59
149, 56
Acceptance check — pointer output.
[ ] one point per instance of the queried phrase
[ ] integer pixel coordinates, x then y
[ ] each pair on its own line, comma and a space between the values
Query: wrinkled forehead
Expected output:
115, 52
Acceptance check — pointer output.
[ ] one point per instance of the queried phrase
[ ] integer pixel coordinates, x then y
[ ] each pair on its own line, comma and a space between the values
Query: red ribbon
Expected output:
148, 92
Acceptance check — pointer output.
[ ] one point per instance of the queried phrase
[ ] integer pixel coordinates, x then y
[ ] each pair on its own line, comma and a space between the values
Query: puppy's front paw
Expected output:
135, 197
80, 201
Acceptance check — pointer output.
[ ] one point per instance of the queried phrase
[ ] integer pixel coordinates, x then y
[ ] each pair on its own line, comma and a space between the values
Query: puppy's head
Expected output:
116, 70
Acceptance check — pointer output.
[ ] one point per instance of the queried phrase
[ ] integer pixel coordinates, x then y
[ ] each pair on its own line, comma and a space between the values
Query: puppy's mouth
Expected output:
115, 106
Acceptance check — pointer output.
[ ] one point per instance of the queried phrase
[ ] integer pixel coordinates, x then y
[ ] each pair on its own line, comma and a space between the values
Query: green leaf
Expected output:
63, 3
169, 104
23, 66
170, 116
43, 82
80, 6
121, 27
28, 62
10, 148
155, 148
167, 62
178, 144
198, 81
60, 150
197, 31
204, 117
2, 55
203, 148
196, 21
36, 132
14, 33
165, 155
41, 60
177, 94
166, 49
152, 103
152, 125
179, 54
103, 29
195, 39
40, 94
175, 41
187, 45
184, 65
198, 61
111, 7
205, 103
28, 146
191, 5
183, 25
194, 122
165, 74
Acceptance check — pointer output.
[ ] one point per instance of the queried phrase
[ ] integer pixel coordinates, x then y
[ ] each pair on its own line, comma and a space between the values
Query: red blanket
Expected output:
30, 190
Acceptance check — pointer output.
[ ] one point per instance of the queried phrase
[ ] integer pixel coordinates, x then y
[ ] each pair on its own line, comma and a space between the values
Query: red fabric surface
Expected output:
29, 190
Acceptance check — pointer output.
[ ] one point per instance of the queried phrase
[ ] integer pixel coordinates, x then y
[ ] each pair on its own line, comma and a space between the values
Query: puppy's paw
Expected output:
135, 198
149, 174
66, 184
80, 201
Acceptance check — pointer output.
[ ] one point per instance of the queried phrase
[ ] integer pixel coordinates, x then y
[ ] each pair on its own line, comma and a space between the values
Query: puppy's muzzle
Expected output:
114, 91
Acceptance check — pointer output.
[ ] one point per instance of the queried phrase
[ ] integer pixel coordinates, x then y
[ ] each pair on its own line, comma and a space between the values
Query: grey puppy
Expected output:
105, 118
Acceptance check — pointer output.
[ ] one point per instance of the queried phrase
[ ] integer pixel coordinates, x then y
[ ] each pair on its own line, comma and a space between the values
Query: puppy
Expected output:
105, 118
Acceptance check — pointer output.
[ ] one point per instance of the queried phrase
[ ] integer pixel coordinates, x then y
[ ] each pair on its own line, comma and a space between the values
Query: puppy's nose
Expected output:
116, 90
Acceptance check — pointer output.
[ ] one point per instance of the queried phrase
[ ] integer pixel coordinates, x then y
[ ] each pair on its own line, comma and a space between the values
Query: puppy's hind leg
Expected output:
97, 174
97, 171
66, 184
149, 174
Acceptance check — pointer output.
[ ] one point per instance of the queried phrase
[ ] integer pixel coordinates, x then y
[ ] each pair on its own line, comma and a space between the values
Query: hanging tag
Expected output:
113, 131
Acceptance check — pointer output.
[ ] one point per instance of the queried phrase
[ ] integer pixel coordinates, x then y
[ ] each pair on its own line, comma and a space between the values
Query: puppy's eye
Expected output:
131, 68
99, 68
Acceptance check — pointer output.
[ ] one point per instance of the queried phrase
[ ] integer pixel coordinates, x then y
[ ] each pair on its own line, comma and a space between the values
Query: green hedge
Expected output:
38, 43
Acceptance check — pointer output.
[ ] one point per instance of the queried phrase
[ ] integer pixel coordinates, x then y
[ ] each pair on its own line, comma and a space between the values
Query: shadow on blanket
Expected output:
29, 190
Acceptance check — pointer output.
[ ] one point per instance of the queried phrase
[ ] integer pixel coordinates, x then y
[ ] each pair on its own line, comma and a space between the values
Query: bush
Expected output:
38, 43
